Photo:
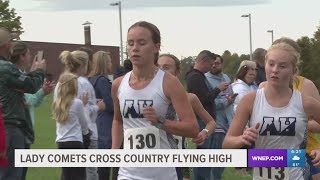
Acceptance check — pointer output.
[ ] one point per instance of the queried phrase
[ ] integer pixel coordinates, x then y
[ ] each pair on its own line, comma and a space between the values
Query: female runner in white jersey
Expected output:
277, 114
141, 99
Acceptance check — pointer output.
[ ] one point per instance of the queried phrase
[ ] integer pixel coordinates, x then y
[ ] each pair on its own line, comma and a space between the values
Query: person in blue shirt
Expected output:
36, 99
224, 107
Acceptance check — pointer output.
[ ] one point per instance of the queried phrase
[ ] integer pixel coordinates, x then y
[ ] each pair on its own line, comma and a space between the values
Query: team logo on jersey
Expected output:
284, 126
134, 108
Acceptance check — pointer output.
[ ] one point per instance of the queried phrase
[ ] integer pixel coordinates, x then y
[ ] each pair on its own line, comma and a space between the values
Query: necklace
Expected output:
147, 77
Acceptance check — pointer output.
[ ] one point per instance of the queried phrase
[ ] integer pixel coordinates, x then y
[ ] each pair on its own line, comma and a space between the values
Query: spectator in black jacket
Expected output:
199, 85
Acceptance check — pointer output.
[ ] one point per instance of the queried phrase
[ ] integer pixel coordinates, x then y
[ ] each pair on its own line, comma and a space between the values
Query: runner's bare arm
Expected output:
117, 124
309, 89
204, 116
202, 113
236, 136
187, 126
311, 107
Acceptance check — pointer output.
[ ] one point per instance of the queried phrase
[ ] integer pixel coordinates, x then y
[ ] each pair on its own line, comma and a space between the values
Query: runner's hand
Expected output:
85, 99
249, 135
150, 114
315, 154
200, 139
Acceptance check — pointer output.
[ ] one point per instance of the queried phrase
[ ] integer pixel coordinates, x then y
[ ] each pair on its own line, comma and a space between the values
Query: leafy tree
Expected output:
226, 53
305, 44
9, 18
231, 63
317, 34
244, 57
314, 74
227, 59
310, 57
185, 65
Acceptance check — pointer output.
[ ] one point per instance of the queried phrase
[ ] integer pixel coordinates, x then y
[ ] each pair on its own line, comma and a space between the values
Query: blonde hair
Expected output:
74, 60
289, 49
296, 46
67, 92
100, 63
289, 41
294, 53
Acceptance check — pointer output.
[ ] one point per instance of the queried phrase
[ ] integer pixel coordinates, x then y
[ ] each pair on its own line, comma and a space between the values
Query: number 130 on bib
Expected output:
142, 138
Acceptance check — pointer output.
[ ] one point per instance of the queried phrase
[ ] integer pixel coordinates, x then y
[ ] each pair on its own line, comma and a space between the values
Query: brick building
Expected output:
51, 52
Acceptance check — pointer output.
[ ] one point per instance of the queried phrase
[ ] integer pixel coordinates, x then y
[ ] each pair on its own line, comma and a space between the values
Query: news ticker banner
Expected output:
159, 158
131, 158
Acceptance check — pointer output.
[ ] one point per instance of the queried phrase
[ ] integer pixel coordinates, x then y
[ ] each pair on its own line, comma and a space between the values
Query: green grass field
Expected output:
45, 139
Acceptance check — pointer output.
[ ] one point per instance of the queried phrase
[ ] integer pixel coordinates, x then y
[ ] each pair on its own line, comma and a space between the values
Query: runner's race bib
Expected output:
142, 138
178, 140
271, 173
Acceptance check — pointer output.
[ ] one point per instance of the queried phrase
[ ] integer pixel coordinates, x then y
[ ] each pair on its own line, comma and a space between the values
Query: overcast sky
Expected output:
187, 26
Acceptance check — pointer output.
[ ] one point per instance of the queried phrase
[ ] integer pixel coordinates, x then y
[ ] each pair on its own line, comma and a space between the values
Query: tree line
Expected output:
310, 49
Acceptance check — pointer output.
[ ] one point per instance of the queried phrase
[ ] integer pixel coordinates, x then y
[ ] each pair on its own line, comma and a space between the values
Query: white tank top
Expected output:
280, 128
138, 131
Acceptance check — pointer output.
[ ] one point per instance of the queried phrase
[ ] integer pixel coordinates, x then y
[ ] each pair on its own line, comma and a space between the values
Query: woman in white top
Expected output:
76, 62
244, 81
277, 114
71, 124
141, 99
